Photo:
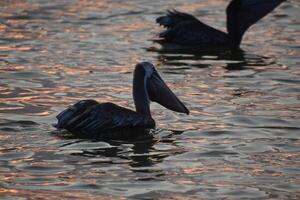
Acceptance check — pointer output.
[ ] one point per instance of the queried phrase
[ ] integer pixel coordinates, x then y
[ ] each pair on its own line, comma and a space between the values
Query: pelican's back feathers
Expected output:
92, 119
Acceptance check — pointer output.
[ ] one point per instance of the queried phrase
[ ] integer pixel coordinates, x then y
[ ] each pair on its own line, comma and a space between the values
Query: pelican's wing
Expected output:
173, 18
185, 29
106, 116
73, 111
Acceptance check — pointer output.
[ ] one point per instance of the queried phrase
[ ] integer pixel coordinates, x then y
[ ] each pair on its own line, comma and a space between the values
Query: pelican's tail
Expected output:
174, 17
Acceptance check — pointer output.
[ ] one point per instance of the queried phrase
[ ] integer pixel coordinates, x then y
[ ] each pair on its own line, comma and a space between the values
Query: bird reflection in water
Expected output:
138, 154
185, 58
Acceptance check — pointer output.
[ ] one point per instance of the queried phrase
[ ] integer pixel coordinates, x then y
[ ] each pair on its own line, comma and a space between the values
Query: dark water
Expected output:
241, 140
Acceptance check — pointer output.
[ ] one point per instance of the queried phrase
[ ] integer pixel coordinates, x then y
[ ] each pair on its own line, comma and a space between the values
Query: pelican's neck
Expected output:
243, 14
140, 93
235, 29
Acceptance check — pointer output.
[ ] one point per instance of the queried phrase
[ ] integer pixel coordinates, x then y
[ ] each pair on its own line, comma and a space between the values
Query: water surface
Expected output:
241, 140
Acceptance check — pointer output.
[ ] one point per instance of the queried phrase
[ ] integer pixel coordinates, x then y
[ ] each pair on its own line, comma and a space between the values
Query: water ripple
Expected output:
240, 141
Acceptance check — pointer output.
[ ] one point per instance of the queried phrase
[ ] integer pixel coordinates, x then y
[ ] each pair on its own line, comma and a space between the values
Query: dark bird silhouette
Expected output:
184, 29
105, 121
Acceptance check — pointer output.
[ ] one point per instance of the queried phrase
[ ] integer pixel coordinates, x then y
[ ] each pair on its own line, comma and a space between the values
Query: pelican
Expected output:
90, 119
184, 29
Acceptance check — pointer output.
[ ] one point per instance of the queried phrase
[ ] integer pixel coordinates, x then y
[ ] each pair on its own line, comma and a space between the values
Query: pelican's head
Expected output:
148, 85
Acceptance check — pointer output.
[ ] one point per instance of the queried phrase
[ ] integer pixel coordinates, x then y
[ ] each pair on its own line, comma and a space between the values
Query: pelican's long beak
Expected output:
159, 92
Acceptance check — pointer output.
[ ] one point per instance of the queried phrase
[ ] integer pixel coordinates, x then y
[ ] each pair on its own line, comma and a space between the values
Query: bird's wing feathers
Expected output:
68, 114
172, 18
185, 29
97, 118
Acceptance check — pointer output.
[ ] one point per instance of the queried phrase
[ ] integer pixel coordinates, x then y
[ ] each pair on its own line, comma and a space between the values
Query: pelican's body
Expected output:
91, 119
184, 29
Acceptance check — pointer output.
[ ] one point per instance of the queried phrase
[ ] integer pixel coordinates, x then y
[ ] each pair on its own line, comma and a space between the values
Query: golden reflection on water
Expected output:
54, 74
92, 5
39, 194
126, 27
18, 5
198, 6
14, 48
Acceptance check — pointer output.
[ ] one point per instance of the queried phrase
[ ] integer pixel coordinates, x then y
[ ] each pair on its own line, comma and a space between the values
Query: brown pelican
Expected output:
90, 119
184, 29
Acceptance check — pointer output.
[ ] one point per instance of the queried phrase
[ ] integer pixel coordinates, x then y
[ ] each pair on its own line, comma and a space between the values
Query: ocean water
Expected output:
240, 141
